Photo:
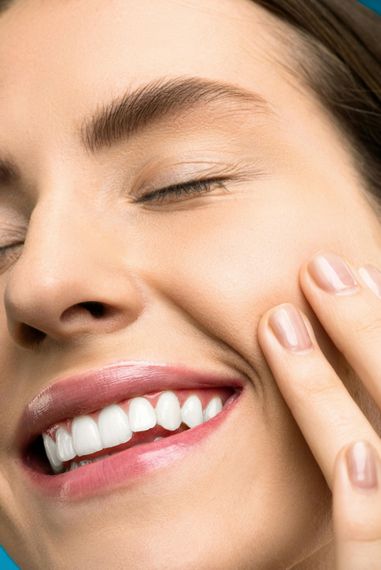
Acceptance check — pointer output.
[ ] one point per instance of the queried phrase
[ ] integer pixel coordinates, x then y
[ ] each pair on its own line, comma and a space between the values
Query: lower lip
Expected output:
126, 466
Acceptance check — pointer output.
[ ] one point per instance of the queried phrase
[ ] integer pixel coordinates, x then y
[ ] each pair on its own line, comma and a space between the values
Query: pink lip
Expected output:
126, 467
88, 391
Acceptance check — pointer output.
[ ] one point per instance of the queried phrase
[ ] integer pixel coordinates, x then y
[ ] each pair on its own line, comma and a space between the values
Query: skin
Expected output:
170, 268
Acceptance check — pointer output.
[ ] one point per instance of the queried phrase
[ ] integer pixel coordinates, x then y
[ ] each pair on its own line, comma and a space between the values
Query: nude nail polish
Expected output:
361, 465
332, 274
372, 278
288, 326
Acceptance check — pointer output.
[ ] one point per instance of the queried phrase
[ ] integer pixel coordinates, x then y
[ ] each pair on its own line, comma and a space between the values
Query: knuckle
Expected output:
315, 380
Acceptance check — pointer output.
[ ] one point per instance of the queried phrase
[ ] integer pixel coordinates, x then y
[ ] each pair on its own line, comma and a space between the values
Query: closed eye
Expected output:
4, 249
201, 186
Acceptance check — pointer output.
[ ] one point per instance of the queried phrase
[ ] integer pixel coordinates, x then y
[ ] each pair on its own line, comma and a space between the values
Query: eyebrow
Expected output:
163, 99
160, 99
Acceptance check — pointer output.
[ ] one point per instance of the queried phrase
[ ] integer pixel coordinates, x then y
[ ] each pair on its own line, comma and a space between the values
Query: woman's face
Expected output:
182, 280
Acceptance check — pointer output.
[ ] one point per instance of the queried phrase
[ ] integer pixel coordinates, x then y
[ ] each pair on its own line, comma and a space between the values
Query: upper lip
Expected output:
88, 391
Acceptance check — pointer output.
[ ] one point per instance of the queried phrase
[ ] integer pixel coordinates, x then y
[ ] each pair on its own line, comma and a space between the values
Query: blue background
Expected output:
372, 4
5, 562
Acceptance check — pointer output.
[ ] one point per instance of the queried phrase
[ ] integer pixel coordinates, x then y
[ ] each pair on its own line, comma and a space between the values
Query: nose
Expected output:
69, 282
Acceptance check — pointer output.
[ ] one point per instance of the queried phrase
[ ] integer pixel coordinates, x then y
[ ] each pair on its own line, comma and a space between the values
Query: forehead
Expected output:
60, 60
82, 51
200, 29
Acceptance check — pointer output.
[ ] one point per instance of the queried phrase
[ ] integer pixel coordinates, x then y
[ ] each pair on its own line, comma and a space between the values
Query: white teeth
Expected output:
74, 465
191, 411
64, 441
168, 411
51, 452
114, 427
213, 408
86, 438
141, 414
85, 462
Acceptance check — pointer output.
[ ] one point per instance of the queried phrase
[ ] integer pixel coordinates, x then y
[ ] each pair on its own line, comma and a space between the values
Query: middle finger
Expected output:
350, 312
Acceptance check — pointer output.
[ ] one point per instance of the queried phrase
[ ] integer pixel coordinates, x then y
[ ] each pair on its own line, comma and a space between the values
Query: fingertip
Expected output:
361, 464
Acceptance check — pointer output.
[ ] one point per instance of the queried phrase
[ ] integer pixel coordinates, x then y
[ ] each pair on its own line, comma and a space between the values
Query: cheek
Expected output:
227, 264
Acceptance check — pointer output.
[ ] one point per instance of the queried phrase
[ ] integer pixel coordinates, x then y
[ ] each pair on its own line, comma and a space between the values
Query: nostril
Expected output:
29, 336
96, 309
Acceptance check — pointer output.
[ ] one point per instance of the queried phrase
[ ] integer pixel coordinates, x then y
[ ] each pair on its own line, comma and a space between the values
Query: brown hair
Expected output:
4, 4
338, 56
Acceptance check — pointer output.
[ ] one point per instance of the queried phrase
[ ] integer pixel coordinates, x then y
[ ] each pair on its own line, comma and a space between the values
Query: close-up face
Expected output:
111, 290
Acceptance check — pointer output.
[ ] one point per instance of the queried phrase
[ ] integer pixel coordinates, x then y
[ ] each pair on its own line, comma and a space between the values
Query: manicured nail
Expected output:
332, 274
288, 326
361, 465
371, 277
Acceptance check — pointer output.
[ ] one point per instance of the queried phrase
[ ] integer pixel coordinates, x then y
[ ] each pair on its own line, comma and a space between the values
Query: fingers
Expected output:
357, 508
323, 408
347, 301
348, 305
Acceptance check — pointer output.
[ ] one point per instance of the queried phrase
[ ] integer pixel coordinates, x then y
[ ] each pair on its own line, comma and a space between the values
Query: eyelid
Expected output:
193, 188
8, 246
11, 236
240, 171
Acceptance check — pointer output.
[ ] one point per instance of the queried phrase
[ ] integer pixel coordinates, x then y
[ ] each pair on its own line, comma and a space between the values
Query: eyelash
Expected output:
200, 186
7, 249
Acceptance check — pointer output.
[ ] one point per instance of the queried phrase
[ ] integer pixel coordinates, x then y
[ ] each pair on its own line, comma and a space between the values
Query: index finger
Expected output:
326, 413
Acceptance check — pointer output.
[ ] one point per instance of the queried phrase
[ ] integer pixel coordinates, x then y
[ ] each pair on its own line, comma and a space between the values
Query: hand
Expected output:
349, 307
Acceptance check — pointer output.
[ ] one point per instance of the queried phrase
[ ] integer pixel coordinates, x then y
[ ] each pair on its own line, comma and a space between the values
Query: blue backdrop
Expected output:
5, 562
372, 4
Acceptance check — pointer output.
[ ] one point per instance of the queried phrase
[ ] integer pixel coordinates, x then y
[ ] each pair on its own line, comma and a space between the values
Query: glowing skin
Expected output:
183, 282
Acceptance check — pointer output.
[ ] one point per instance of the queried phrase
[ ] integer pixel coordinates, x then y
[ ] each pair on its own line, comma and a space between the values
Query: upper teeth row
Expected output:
115, 426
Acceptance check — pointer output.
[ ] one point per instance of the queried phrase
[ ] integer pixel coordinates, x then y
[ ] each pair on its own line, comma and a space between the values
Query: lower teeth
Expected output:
74, 465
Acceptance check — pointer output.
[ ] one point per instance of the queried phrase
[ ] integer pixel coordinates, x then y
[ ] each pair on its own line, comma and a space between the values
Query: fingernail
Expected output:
372, 278
288, 326
361, 465
332, 274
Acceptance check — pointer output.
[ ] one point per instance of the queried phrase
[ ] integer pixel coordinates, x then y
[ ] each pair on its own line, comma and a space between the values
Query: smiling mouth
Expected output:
83, 439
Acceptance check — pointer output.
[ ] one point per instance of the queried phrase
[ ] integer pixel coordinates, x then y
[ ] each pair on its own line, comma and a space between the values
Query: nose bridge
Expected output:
66, 282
